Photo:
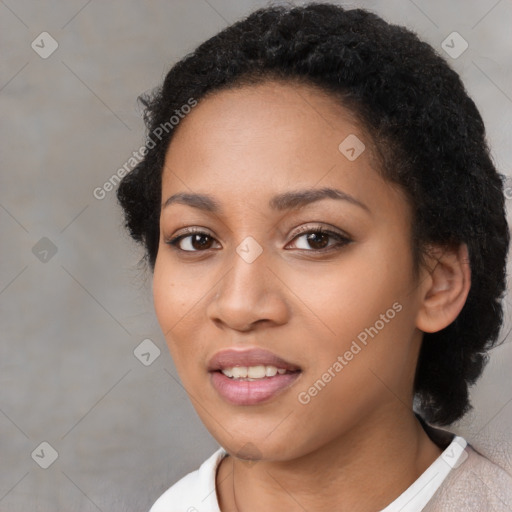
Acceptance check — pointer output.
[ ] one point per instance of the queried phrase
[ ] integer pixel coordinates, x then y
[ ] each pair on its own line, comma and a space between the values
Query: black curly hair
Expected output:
427, 131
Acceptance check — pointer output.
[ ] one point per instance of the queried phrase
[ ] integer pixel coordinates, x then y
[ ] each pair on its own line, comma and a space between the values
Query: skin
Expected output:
356, 446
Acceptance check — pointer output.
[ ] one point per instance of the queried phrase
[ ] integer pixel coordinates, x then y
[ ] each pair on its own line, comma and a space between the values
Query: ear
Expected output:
444, 287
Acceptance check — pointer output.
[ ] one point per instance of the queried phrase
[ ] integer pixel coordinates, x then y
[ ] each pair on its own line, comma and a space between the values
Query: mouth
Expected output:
253, 373
250, 377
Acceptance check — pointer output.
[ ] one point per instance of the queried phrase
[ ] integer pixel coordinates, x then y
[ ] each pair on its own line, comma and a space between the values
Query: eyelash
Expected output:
342, 240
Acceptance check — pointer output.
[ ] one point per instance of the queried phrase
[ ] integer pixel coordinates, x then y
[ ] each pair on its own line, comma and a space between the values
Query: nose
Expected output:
249, 294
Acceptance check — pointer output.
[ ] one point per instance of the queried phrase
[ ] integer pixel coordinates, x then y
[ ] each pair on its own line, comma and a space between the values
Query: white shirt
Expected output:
196, 491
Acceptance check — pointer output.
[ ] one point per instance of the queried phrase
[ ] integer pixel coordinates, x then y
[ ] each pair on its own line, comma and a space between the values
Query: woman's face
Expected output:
335, 311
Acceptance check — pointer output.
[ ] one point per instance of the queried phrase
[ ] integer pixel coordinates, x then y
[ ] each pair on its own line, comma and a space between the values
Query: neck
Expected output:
364, 470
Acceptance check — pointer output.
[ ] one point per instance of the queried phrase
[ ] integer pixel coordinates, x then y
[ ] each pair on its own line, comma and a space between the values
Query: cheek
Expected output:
178, 299
170, 302
165, 298
356, 293
174, 294
367, 309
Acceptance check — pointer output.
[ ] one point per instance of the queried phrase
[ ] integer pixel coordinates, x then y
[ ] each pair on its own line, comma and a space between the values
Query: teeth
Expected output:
270, 371
256, 372
239, 372
252, 372
228, 372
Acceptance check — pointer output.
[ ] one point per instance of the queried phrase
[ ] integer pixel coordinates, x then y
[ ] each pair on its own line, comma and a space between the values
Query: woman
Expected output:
328, 243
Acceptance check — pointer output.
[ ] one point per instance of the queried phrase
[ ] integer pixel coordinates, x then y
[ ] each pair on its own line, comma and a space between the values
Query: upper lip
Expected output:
228, 358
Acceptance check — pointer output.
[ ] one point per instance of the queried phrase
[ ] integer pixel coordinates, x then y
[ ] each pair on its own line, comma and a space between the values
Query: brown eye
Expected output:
317, 239
195, 241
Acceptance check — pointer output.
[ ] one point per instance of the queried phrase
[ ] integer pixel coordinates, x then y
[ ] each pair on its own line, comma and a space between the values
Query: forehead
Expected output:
294, 108
247, 144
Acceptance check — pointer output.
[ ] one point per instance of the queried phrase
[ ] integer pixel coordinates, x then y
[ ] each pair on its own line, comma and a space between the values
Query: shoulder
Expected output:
195, 492
475, 484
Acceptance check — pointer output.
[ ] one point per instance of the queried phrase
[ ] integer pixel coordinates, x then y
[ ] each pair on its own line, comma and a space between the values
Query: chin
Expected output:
257, 446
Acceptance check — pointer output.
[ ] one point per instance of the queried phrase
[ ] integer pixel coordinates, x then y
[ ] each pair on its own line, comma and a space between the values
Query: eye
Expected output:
195, 238
318, 238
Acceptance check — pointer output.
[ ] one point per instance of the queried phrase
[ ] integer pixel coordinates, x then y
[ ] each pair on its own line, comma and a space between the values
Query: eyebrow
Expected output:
280, 202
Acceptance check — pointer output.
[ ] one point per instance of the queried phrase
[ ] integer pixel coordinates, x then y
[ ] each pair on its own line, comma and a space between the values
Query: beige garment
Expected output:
475, 485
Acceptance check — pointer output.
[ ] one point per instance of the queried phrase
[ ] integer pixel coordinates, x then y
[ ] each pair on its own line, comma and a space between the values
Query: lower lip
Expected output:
246, 392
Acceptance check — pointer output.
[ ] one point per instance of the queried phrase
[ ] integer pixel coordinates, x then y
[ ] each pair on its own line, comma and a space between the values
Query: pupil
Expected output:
199, 245
320, 235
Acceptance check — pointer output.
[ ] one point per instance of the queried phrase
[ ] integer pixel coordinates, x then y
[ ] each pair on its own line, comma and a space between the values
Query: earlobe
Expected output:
444, 291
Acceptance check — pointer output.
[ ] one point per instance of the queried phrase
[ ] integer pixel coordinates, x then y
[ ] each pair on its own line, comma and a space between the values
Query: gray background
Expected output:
123, 431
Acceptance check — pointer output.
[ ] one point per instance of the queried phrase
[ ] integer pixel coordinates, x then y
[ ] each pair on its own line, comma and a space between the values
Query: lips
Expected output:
248, 391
